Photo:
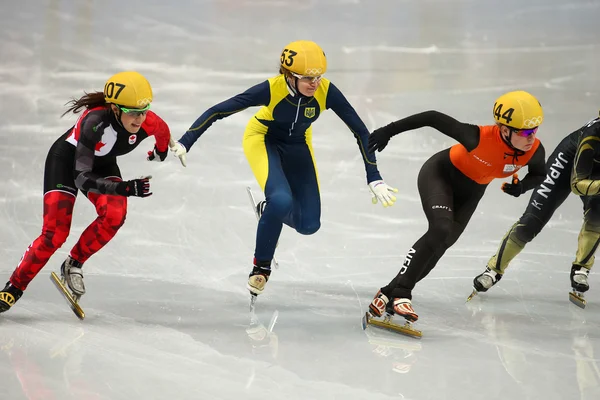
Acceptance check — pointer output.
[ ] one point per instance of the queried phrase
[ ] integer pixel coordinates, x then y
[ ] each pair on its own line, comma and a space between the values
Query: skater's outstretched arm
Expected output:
255, 96
155, 126
343, 109
465, 134
582, 181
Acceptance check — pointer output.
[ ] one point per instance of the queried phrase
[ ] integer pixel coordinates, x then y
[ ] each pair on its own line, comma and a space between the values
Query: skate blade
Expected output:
473, 294
253, 202
67, 295
577, 299
405, 329
252, 301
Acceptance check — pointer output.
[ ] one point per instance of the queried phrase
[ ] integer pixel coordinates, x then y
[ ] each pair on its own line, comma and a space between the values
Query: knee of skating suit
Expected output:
58, 207
112, 211
421, 258
587, 243
513, 242
259, 276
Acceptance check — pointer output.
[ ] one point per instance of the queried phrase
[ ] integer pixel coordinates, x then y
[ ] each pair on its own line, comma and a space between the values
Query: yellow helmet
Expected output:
305, 58
519, 110
128, 89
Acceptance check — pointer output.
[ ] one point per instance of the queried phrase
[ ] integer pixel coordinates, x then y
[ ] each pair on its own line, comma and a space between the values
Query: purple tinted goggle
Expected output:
525, 132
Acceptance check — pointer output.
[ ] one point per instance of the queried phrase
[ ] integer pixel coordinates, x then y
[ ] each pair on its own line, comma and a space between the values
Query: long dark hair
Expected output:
88, 100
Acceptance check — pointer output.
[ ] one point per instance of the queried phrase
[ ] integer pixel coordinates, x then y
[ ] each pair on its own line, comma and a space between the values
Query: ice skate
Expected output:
484, 281
579, 284
379, 304
71, 272
70, 284
401, 307
257, 279
260, 208
256, 282
9, 296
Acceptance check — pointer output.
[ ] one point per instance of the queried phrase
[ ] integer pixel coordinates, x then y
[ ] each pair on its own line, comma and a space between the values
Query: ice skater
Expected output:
572, 167
278, 145
113, 123
452, 182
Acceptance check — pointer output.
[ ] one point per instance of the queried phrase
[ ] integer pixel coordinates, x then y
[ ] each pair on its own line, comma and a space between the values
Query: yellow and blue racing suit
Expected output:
278, 145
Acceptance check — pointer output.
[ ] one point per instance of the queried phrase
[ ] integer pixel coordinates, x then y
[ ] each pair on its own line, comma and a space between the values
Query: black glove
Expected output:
155, 155
135, 187
515, 188
379, 139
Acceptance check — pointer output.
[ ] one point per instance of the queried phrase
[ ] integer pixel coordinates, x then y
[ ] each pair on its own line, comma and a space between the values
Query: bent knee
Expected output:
115, 216
279, 204
526, 229
55, 238
441, 229
309, 228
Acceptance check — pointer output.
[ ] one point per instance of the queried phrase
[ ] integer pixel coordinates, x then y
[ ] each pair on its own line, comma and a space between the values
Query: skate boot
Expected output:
258, 277
403, 307
400, 306
379, 304
579, 283
72, 274
484, 281
260, 208
9, 296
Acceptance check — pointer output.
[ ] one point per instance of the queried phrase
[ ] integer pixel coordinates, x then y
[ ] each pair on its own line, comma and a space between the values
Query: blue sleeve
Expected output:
338, 103
255, 96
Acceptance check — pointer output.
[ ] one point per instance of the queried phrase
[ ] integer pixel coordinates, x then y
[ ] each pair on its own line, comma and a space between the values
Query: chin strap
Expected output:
293, 90
516, 152
118, 116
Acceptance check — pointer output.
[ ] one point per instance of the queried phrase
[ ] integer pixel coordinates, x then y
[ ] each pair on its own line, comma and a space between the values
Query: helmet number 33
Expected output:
287, 57
109, 90
506, 115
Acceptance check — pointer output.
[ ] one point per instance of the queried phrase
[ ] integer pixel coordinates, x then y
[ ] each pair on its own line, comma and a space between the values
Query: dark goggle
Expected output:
135, 112
524, 132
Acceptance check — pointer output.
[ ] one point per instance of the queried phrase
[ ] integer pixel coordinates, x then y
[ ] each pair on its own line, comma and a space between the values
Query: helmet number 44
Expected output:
287, 57
506, 115
109, 90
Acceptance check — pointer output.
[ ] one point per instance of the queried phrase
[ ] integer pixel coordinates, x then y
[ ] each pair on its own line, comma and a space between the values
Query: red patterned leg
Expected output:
58, 213
111, 216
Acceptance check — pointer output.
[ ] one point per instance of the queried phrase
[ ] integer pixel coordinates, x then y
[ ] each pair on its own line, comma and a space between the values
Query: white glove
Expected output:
178, 150
380, 191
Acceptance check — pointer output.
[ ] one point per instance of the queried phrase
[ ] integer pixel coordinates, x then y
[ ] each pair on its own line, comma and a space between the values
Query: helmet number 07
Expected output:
287, 57
506, 115
109, 89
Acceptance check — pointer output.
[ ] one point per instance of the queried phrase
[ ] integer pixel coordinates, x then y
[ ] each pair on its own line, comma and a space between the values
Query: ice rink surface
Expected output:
167, 308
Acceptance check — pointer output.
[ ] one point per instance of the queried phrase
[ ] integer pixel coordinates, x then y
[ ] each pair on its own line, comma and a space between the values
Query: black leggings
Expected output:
449, 199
